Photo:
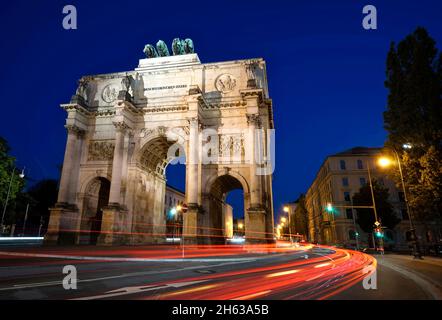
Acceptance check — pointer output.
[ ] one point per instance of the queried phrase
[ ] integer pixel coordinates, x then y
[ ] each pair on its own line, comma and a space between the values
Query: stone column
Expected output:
117, 164
64, 218
255, 186
112, 228
66, 194
192, 197
256, 230
191, 216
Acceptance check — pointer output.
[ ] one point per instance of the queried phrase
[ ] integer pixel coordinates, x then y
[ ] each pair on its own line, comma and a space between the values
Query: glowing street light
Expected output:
240, 225
283, 219
286, 209
384, 162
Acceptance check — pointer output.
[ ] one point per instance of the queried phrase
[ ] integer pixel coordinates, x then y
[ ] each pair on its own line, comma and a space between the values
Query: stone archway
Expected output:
148, 188
120, 125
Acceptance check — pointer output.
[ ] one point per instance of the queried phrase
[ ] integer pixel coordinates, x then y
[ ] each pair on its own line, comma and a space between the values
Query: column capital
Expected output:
193, 121
120, 126
73, 129
253, 119
252, 93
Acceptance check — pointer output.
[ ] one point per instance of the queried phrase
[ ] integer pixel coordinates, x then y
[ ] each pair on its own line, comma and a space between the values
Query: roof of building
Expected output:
357, 151
168, 186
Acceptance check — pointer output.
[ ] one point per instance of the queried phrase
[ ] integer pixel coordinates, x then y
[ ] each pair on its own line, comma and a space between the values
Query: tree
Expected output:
300, 217
7, 171
384, 209
414, 116
44, 196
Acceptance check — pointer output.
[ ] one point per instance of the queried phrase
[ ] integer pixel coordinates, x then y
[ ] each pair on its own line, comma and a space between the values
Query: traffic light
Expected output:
379, 233
329, 207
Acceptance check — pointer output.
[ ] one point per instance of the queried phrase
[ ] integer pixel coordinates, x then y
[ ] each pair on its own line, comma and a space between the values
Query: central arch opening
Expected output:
153, 218
175, 198
226, 193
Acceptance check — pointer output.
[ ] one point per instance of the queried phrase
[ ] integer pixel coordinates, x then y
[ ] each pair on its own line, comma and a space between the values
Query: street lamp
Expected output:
376, 222
286, 209
385, 162
21, 175
173, 212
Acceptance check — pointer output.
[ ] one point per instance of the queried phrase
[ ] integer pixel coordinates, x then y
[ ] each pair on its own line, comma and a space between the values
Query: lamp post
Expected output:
174, 211
286, 209
21, 175
377, 222
385, 162
41, 225
24, 222
354, 224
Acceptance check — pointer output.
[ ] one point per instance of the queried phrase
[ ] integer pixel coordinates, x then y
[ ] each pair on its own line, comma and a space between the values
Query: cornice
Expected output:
158, 109
73, 106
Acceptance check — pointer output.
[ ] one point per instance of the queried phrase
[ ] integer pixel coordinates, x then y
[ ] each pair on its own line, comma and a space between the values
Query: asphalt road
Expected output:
213, 273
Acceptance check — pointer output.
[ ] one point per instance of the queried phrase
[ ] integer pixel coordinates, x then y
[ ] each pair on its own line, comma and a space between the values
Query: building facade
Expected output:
174, 218
124, 128
339, 178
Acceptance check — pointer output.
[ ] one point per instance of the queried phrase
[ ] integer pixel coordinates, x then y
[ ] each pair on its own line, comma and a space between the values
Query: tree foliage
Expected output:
8, 171
44, 195
384, 209
414, 116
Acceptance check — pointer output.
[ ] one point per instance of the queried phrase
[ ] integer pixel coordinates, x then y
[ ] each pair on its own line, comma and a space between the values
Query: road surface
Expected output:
214, 273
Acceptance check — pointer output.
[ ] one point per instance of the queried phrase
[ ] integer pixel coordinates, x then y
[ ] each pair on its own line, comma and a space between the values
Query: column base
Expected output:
112, 228
190, 228
255, 226
62, 227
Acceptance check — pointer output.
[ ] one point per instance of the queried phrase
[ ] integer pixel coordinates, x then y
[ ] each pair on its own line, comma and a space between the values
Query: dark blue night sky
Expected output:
326, 72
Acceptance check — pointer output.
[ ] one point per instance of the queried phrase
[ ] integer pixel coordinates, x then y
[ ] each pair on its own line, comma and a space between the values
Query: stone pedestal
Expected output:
112, 231
255, 225
63, 225
190, 231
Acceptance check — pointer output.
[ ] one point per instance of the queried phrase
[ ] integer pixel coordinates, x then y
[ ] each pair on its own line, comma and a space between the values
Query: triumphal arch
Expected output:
124, 128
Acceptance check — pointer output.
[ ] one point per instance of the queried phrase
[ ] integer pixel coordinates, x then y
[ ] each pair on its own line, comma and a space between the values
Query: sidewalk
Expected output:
430, 268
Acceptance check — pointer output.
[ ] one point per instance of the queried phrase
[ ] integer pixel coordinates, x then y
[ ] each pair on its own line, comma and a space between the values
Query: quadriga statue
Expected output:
188, 46
150, 51
177, 46
162, 49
